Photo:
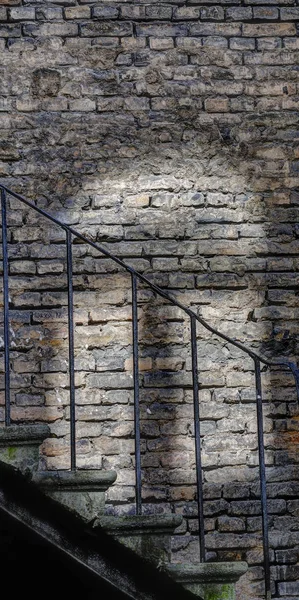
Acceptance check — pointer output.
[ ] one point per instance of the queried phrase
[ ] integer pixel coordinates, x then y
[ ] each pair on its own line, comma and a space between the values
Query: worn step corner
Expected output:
19, 445
91, 480
139, 524
209, 580
82, 491
24, 434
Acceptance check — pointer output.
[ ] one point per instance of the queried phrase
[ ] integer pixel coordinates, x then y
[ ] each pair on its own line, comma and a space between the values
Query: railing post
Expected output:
262, 470
136, 395
5, 308
197, 442
71, 347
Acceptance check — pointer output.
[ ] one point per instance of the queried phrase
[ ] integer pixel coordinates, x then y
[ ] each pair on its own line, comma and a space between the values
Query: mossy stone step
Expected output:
147, 535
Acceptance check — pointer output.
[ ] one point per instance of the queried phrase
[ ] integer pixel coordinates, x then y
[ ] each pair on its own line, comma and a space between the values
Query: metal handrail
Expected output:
71, 233
270, 363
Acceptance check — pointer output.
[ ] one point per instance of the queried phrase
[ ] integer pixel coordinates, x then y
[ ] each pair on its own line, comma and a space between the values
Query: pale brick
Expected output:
158, 12
136, 103
10, 2
269, 43
23, 266
132, 12
239, 13
186, 13
105, 12
110, 104
226, 29
78, 12
215, 42
268, 29
51, 29
10, 31
217, 104
266, 13
212, 13
288, 588
242, 43
22, 14
106, 28
161, 30
83, 105
289, 14
49, 14
161, 44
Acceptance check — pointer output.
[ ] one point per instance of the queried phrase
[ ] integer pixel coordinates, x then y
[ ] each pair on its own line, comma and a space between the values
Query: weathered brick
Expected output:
135, 103
158, 12
217, 104
49, 14
10, 31
266, 13
215, 42
288, 588
226, 29
131, 11
268, 29
10, 2
212, 13
22, 14
239, 13
105, 12
51, 29
291, 43
230, 524
240, 43
105, 28
22, 267
78, 12
160, 43
289, 13
269, 43
161, 30
186, 13
83, 105
276, 57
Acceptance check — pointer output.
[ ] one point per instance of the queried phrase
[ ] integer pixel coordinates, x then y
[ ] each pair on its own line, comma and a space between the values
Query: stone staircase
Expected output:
80, 495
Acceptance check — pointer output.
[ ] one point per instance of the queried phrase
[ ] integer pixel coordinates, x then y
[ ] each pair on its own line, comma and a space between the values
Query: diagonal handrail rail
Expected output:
72, 233
254, 355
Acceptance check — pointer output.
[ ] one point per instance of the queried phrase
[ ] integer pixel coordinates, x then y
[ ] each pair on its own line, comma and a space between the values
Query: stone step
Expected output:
19, 446
147, 535
81, 491
209, 581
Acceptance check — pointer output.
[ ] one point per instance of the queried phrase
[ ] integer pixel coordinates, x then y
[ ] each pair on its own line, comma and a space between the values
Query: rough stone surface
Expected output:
19, 446
167, 132
149, 536
83, 492
209, 581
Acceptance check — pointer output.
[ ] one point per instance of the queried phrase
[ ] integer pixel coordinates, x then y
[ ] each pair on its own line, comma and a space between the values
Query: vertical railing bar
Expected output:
71, 348
136, 395
262, 470
5, 307
199, 483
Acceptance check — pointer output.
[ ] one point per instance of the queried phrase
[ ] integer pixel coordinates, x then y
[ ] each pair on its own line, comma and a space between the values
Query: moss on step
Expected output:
11, 452
219, 592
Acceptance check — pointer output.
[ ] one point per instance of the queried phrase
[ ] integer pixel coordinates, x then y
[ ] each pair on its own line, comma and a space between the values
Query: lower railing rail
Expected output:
72, 234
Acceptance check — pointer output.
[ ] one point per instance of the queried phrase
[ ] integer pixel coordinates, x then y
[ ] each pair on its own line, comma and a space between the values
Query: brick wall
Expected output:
168, 131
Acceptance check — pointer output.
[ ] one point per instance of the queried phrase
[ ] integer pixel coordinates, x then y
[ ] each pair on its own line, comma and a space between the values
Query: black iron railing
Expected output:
71, 234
